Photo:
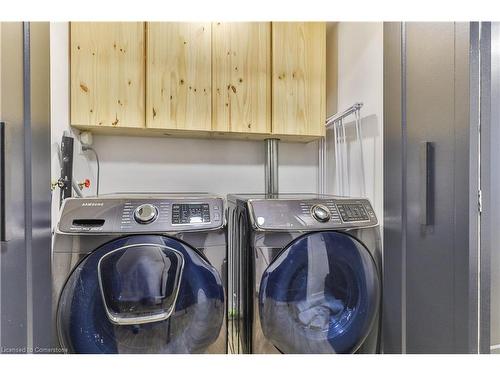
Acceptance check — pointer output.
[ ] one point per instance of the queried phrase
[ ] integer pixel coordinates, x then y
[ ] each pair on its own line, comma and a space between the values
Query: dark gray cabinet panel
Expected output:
394, 251
13, 302
25, 283
41, 300
428, 130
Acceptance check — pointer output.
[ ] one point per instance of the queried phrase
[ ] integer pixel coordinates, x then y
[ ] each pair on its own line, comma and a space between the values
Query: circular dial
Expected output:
321, 213
145, 213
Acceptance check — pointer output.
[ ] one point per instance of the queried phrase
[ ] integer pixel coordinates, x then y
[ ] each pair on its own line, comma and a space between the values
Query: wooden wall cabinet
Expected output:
241, 77
179, 89
107, 74
241, 80
299, 69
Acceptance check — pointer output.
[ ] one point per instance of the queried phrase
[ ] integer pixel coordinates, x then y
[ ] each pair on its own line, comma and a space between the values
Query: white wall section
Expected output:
355, 74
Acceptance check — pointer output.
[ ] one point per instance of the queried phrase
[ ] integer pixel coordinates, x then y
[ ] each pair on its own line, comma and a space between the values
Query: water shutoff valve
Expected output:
85, 184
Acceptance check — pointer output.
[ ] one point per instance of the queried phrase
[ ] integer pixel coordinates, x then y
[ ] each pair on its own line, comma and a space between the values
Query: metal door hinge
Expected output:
480, 201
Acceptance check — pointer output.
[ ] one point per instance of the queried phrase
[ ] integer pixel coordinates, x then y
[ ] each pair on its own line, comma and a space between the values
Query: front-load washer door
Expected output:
319, 295
141, 294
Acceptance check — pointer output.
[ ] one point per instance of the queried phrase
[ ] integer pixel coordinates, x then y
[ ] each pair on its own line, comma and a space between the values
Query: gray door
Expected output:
430, 190
25, 289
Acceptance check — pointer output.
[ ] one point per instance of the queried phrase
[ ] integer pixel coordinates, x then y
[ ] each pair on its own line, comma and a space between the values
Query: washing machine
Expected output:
304, 274
142, 273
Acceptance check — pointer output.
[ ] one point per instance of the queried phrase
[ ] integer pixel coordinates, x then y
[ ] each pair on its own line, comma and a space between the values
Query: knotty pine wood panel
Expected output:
179, 76
107, 74
241, 75
298, 92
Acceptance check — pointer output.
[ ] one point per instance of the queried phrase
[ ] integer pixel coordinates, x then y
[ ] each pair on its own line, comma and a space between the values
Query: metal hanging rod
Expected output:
338, 116
342, 155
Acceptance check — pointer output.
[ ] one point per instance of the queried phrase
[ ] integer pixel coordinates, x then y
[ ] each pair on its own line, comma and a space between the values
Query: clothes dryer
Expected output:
305, 274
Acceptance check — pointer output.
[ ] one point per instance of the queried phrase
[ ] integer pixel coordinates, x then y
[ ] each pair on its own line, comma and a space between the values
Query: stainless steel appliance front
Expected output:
260, 232
86, 225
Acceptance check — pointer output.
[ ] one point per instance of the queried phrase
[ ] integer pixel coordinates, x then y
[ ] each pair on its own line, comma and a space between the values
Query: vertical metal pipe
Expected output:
271, 168
321, 166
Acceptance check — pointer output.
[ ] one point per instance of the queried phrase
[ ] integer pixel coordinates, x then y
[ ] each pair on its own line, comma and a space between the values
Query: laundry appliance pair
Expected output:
162, 273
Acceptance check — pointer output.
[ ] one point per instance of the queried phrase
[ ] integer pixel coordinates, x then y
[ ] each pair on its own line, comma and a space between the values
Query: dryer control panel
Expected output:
352, 212
137, 215
311, 214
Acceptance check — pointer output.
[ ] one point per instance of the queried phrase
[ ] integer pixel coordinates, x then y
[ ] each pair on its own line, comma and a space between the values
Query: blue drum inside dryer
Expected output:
141, 294
321, 294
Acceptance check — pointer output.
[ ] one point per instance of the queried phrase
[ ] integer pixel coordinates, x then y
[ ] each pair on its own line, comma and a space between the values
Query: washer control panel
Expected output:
122, 215
190, 213
321, 213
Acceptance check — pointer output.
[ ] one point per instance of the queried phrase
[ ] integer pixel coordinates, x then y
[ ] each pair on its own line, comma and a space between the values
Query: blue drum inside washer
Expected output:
319, 295
141, 294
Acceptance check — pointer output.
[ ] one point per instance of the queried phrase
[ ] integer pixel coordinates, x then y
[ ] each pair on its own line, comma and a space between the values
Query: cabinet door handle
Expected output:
426, 183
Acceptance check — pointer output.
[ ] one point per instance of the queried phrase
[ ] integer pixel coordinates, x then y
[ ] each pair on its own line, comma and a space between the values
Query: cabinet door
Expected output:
437, 222
299, 78
241, 73
107, 74
430, 170
179, 76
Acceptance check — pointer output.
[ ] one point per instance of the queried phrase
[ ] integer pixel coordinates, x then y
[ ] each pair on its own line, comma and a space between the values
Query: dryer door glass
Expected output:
141, 294
320, 295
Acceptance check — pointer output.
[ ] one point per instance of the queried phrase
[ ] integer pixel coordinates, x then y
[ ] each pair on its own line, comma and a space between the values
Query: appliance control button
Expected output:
320, 213
145, 213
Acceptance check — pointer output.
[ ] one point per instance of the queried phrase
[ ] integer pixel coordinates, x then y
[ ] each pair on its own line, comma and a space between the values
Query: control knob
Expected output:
321, 213
145, 213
